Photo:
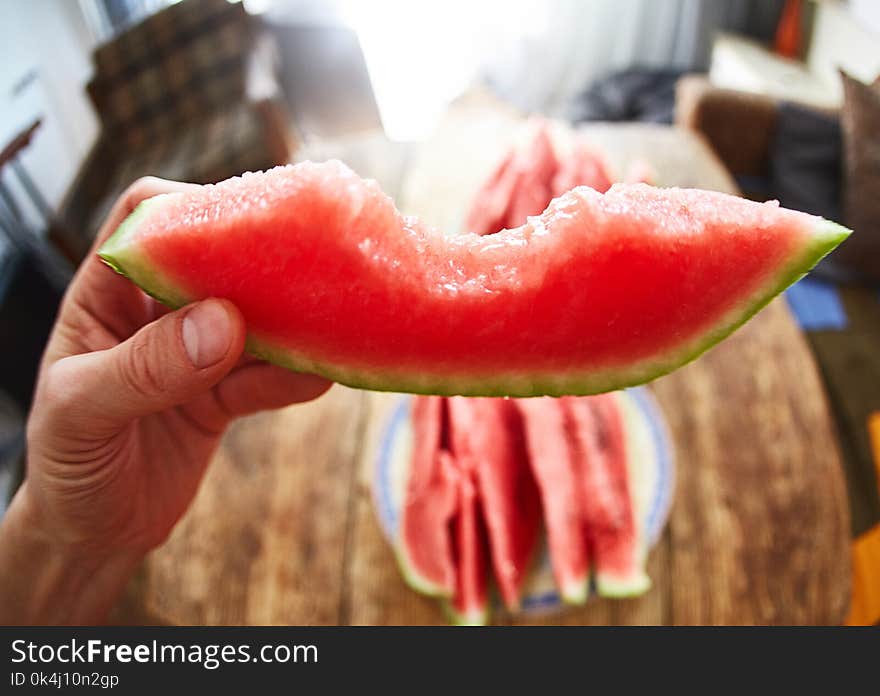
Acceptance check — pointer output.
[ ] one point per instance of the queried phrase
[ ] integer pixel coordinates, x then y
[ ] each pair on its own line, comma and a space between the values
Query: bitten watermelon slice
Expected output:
487, 435
425, 545
552, 461
598, 293
617, 547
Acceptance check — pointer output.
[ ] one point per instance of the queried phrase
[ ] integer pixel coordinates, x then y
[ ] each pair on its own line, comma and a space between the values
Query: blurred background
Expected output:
770, 98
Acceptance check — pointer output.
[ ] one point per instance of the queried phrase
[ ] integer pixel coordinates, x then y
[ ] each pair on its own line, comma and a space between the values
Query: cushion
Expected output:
860, 120
805, 161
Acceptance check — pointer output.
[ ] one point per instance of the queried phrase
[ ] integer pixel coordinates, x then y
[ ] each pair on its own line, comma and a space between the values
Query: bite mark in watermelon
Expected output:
487, 434
598, 293
551, 459
616, 543
425, 545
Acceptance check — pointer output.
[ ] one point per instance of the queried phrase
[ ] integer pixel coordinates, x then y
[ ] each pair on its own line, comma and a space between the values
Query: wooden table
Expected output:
283, 529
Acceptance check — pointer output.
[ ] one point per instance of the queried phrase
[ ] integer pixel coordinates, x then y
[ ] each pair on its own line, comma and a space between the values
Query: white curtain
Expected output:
582, 40
537, 53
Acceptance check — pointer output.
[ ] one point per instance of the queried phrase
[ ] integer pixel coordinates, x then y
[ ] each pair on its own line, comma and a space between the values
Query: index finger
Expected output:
97, 289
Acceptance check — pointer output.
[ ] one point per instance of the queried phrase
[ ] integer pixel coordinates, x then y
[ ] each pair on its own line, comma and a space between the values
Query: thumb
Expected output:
166, 363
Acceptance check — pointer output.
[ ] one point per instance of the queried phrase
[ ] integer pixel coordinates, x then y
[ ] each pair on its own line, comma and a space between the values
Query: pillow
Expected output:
805, 160
860, 121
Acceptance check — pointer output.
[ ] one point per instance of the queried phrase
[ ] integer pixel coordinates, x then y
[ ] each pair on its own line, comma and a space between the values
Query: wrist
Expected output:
46, 580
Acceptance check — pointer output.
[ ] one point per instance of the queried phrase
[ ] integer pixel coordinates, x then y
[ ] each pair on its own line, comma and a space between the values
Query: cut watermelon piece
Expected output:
551, 459
537, 166
469, 605
487, 434
582, 167
618, 551
425, 546
598, 293
487, 213
640, 172
519, 186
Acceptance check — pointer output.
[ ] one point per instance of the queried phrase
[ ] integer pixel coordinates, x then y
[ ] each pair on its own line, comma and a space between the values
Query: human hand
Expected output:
130, 405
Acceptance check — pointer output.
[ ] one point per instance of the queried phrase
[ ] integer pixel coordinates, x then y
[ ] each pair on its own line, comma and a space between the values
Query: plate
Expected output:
651, 468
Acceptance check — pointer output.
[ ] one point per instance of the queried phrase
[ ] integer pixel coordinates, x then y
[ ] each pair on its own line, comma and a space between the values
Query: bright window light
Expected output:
421, 55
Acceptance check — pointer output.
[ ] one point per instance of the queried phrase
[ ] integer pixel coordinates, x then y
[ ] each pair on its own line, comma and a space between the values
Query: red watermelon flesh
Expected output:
487, 433
470, 603
519, 186
552, 461
598, 293
425, 545
487, 214
536, 168
618, 554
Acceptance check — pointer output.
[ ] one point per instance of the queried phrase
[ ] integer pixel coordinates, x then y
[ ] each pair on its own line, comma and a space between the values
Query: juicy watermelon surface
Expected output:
599, 292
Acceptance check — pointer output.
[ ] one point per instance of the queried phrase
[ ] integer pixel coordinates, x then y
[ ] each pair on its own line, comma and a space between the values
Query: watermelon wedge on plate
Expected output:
469, 605
600, 292
552, 461
425, 549
582, 167
486, 436
600, 460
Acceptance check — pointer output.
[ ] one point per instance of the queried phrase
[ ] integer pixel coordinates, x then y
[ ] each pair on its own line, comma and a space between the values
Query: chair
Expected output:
187, 94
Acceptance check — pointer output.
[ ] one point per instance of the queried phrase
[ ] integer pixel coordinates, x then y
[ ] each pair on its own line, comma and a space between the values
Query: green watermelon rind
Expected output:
414, 578
576, 593
411, 576
457, 618
125, 259
617, 587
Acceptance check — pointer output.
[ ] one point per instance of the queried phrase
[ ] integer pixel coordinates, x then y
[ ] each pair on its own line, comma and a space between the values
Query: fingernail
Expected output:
206, 333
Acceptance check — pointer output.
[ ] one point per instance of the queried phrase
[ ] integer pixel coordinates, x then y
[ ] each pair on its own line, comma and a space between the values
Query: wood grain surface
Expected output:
283, 529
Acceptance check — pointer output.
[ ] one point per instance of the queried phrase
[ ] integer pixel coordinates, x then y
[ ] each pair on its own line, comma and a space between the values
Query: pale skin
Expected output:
130, 404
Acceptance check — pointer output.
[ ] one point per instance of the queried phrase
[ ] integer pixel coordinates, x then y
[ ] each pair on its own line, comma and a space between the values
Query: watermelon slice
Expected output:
618, 551
598, 293
520, 184
425, 545
487, 213
640, 172
487, 434
551, 459
582, 167
469, 605
536, 168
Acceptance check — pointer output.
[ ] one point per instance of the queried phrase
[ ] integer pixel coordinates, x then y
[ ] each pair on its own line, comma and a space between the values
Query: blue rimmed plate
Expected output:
652, 472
